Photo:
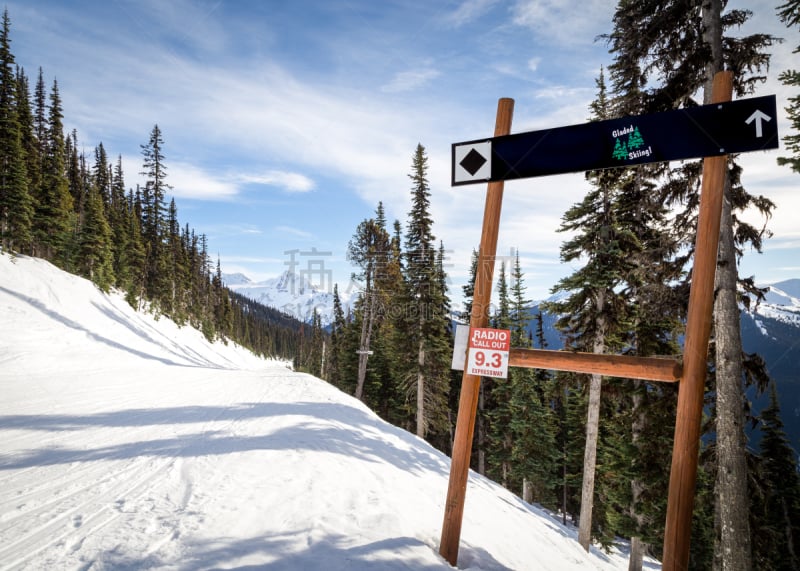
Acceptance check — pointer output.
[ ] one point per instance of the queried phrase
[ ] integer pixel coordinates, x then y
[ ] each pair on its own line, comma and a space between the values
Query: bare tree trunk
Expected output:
589, 463
637, 428
421, 390
527, 491
564, 488
482, 431
637, 554
592, 429
733, 549
363, 346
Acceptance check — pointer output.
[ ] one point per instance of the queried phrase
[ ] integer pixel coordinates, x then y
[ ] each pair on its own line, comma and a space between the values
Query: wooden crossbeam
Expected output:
666, 369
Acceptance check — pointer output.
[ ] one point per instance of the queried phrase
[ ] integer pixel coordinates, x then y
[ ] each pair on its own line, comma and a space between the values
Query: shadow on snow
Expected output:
327, 427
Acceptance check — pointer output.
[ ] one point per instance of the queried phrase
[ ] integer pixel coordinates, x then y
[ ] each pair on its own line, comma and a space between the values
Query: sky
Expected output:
127, 442
285, 123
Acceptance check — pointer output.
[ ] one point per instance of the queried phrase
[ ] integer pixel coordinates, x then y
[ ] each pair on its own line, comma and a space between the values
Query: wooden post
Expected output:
666, 369
470, 384
683, 474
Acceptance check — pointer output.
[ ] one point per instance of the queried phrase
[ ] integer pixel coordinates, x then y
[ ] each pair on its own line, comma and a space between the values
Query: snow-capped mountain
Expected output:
290, 293
772, 329
782, 303
232, 280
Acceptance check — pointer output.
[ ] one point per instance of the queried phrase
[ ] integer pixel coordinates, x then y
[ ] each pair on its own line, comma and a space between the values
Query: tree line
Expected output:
58, 204
393, 350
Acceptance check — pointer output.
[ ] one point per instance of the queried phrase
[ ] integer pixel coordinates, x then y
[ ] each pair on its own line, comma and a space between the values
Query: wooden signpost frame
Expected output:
690, 373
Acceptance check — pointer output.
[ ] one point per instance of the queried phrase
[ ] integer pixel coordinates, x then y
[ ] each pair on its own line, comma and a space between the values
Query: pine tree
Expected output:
16, 204
54, 218
734, 546
656, 307
102, 175
76, 174
689, 38
533, 428
177, 303
153, 217
497, 399
333, 370
95, 254
789, 13
390, 366
121, 241
469, 288
40, 117
778, 547
136, 257
316, 353
428, 379
25, 120
594, 316
369, 250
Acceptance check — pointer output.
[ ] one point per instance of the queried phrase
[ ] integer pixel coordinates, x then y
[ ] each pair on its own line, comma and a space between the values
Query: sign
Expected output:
704, 131
460, 341
474, 162
488, 352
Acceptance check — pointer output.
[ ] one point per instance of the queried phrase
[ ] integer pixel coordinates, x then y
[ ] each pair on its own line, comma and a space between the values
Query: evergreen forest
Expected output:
594, 450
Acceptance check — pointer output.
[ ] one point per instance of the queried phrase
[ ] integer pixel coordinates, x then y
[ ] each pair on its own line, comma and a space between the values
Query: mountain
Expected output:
232, 280
783, 292
127, 442
290, 293
772, 329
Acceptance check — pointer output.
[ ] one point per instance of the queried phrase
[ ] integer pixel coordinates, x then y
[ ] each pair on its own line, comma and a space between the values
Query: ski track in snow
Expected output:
129, 443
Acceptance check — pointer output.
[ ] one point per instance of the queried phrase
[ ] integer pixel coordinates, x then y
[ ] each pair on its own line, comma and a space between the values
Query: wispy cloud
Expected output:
548, 18
191, 181
469, 11
293, 232
289, 181
410, 80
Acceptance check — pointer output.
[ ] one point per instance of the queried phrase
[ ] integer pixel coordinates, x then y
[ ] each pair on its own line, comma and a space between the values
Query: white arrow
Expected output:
758, 116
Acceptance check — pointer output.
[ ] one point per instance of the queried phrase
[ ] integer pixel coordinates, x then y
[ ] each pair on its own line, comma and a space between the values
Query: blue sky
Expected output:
285, 122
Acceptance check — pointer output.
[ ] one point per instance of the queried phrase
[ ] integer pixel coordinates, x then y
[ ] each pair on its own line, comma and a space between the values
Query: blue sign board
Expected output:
709, 130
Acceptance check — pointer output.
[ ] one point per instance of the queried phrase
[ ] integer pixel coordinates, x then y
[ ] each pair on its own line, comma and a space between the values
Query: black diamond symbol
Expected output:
473, 162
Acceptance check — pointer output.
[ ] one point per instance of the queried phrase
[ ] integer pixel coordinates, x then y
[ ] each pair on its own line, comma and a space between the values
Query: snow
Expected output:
784, 313
127, 442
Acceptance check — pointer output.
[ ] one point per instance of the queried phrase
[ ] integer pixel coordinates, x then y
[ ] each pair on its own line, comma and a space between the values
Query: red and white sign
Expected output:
488, 352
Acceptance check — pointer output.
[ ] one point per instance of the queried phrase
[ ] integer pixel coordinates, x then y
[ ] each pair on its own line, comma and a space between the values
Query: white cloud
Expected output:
293, 231
469, 11
289, 181
410, 80
565, 23
190, 181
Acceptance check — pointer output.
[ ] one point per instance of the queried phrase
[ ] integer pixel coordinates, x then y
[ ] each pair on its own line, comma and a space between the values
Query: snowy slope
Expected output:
780, 303
128, 443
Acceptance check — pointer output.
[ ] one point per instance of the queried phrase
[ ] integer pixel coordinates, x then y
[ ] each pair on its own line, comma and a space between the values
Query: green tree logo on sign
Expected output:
620, 151
635, 139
